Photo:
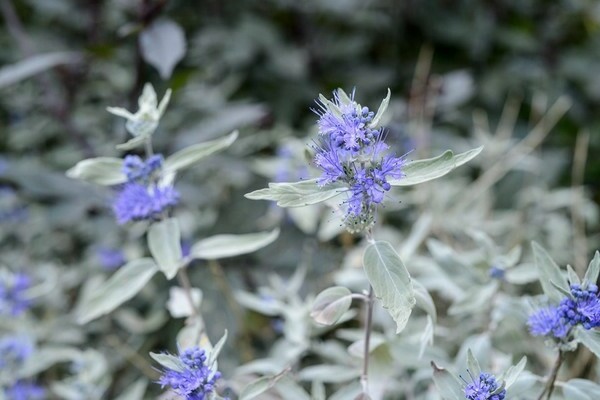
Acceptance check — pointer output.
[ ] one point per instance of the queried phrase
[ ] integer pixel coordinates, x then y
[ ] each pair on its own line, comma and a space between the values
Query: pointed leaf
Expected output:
549, 273
331, 304
447, 384
328, 373
214, 353
101, 170
589, 338
168, 361
572, 276
223, 246
382, 108
163, 46
191, 155
132, 143
134, 391
35, 64
122, 286
390, 280
591, 275
473, 364
164, 242
296, 194
425, 170
511, 374
424, 300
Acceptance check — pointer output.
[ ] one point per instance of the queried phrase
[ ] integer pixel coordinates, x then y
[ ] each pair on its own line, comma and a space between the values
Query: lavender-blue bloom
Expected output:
352, 152
548, 322
583, 308
25, 391
138, 202
109, 258
14, 350
13, 294
484, 387
136, 170
196, 380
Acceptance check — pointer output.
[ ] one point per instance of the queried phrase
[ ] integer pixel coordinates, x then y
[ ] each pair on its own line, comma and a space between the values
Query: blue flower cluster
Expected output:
14, 350
143, 197
581, 308
352, 151
484, 387
13, 294
110, 258
196, 380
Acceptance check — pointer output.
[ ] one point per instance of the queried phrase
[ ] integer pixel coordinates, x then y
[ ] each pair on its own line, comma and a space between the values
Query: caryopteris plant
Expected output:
358, 170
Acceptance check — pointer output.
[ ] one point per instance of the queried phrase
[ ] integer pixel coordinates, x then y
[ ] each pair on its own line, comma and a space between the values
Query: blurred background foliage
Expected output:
453, 66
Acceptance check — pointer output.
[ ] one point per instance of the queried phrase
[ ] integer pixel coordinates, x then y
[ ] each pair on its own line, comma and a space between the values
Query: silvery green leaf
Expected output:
425, 170
424, 300
132, 143
179, 303
473, 364
593, 270
269, 307
347, 392
45, 357
223, 246
390, 280
290, 390
448, 386
572, 276
100, 170
33, 65
317, 391
163, 46
134, 391
589, 338
140, 324
216, 350
581, 389
122, 286
261, 385
522, 274
164, 242
296, 194
382, 108
476, 298
511, 374
329, 373
331, 304
426, 338
190, 335
168, 361
549, 273
191, 155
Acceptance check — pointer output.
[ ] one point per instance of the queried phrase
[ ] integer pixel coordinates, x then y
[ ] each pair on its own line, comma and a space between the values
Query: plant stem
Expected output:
184, 281
552, 377
368, 325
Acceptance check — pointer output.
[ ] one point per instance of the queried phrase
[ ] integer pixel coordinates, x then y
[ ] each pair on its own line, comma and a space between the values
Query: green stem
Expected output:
552, 377
368, 325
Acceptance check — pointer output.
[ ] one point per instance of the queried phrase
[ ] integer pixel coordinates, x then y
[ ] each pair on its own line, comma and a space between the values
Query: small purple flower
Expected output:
583, 308
548, 322
351, 151
195, 380
14, 350
484, 387
13, 294
136, 170
497, 272
137, 202
22, 390
110, 258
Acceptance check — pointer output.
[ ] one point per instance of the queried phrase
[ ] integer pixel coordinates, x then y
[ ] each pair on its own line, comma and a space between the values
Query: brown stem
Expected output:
552, 377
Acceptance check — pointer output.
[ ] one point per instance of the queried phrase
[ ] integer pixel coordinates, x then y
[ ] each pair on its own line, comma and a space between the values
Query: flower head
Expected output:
583, 307
22, 390
352, 151
484, 387
14, 350
548, 322
138, 170
13, 293
138, 202
195, 380
110, 258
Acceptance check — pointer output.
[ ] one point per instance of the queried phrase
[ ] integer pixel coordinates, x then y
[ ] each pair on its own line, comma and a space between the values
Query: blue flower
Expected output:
139, 202
109, 258
195, 380
136, 170
14, 300
583, 308
25, 391
350, 151
14, 350
484, 387
548, 322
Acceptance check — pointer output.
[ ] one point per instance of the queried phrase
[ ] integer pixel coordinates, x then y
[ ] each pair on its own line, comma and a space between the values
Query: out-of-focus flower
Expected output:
138, 202
22, 390
14, 350
13, 293
110, 258
548, 322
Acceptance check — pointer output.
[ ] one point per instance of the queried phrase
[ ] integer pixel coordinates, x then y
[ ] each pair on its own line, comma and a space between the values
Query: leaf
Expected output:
426, 337
164, 242
179, 303
591, 275
572, 276
101, 170
214, 353
261, 385
473, 364
511, 374
448, 386
33, 65
589, 338
269, 307
328, 373
382, 108
296, 194
424, 300
163, 46
576, 389
331, 304
425, 170
122, 286
132, 143
390, 280
168, 361
192, 154
134, 391
549, 273
223, 246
